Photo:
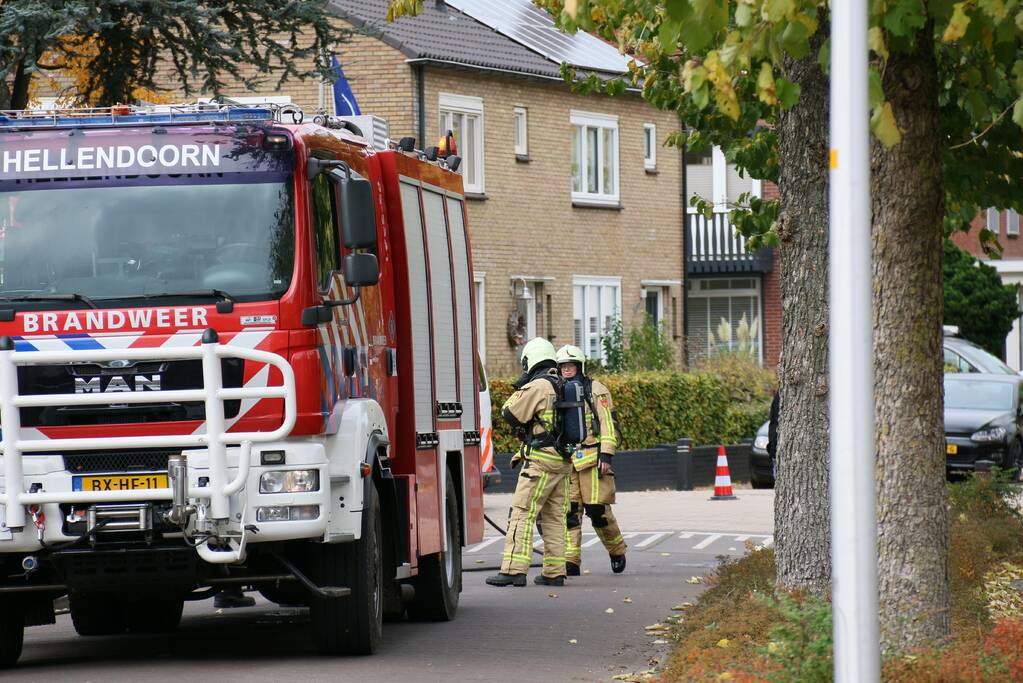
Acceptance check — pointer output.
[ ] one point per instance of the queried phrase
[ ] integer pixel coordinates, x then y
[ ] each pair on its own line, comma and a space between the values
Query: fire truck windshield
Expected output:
107, 242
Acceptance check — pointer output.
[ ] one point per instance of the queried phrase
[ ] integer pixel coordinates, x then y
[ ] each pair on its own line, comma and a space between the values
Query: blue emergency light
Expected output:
91, 118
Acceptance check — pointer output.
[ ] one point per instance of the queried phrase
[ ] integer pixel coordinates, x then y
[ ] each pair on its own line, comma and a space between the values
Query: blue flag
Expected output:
344, 98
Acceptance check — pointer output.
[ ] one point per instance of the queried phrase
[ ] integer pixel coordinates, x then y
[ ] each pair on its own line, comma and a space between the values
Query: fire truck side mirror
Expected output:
357, 214
361, 269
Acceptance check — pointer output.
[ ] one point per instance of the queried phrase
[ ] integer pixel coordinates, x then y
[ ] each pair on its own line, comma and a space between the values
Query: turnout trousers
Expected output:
543, 493
592, 494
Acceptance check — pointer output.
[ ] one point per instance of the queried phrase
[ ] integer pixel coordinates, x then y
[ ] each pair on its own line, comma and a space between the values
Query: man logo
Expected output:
92, 385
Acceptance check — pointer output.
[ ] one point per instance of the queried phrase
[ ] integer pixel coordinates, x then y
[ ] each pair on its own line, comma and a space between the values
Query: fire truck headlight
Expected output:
285, 513
289, 481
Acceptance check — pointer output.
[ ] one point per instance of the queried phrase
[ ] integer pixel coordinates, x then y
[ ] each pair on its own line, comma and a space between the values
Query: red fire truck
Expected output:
235, 351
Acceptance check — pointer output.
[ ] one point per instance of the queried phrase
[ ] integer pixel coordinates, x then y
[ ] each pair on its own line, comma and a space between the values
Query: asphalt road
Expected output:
509, 634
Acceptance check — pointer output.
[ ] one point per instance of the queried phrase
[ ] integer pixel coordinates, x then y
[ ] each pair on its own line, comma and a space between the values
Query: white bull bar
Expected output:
215, 440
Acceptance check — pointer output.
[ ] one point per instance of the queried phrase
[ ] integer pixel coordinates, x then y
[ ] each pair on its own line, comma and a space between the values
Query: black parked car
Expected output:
761, 475
983, 421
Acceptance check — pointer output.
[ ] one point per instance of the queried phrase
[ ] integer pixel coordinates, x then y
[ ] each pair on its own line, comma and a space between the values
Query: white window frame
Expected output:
479, 283
520, 119
581, 121
650, 155
697, 291
719, 171
991, 220
1012, 223
585, 281
472, 109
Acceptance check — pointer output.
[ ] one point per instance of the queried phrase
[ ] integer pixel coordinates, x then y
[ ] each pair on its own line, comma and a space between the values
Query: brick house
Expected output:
575, 206
1006, 225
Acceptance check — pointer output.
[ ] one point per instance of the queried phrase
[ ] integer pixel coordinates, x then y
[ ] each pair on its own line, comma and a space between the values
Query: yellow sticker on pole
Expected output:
833, 162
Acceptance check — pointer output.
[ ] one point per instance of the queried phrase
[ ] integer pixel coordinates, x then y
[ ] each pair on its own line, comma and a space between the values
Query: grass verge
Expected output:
742, 630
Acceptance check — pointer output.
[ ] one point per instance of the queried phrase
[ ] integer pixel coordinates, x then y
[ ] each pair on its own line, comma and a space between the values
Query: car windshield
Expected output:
978, 394
120, 241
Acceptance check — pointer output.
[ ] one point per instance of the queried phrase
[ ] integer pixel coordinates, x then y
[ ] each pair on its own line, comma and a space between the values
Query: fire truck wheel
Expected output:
12, 632
352, 625
151, 614
95, 614
440, 576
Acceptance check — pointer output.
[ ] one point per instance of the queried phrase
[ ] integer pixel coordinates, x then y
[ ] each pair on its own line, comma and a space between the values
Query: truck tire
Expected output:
351, 625
151, 614
440, 575
96, 614
12, 632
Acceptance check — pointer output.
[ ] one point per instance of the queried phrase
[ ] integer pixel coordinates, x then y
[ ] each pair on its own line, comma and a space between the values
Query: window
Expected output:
521, 133
992, 220
596, 305
1012, 223
594, 158
328, 256
724, 316
956, 363
653, 298
649, 146
711, 177
463, 116
479, 283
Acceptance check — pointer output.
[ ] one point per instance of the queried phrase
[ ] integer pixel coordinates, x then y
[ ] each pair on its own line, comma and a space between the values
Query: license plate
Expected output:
951, 449
120, 482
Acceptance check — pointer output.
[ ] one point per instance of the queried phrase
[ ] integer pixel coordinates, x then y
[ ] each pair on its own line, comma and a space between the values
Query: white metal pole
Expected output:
851, 393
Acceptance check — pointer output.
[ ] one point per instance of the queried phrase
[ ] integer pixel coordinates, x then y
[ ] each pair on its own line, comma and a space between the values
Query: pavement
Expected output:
589, 630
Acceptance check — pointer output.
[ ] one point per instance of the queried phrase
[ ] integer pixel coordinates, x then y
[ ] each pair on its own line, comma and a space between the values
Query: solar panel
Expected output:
533, 28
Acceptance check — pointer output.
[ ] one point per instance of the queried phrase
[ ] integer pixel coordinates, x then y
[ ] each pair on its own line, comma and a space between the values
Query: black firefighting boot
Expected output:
541, 580
500, 580
572, 569
229, 598
618, 563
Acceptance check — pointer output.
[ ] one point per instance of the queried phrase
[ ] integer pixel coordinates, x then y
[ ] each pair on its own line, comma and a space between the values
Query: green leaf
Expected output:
787, 92
1017, 74
824, 56
875, 41
776, 10
695, 36
765, 85
701, 96
1017, 112
905, 17
874, 87
679, 10
795, 39
668, 36
884, 126
958, 24
711, 14
743, 15
993, 8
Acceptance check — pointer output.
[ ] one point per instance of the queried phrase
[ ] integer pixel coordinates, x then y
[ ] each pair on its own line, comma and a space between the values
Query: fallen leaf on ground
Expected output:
586, 571
660, 641
573, 641
552, 595
723, 642
609, 610
665, 554
627, 600
694, 579
725, 676
480, 561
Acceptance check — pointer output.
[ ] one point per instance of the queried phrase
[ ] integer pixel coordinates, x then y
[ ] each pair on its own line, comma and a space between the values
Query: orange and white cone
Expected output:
722, 478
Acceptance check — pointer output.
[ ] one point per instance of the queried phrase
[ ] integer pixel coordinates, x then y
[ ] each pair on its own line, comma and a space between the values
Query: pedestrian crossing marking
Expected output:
706, 542
480, 546
699, 540
652, 539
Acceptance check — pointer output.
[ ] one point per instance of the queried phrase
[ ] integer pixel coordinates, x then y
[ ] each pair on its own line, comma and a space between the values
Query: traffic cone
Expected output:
722, 478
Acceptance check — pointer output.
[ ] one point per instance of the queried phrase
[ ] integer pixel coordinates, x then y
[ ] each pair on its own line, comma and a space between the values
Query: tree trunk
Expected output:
908, 206
801, 510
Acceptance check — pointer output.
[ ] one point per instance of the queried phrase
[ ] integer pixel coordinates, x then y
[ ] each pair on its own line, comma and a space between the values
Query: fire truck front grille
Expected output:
118, 461
167, 375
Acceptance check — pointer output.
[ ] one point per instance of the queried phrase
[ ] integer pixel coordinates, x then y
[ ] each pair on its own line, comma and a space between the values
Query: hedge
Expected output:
660, 407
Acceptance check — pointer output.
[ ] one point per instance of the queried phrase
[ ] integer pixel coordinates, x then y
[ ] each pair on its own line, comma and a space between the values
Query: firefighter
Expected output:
543, 483
592, 481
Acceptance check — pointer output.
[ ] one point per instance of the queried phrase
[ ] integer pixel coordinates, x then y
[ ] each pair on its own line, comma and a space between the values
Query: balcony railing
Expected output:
715, 246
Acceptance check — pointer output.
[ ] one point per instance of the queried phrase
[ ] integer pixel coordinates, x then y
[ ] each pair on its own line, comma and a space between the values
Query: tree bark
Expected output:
908, 206
801, 510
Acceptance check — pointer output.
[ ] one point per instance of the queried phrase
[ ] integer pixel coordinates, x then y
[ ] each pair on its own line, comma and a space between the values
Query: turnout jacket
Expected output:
532, 408
606, 439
